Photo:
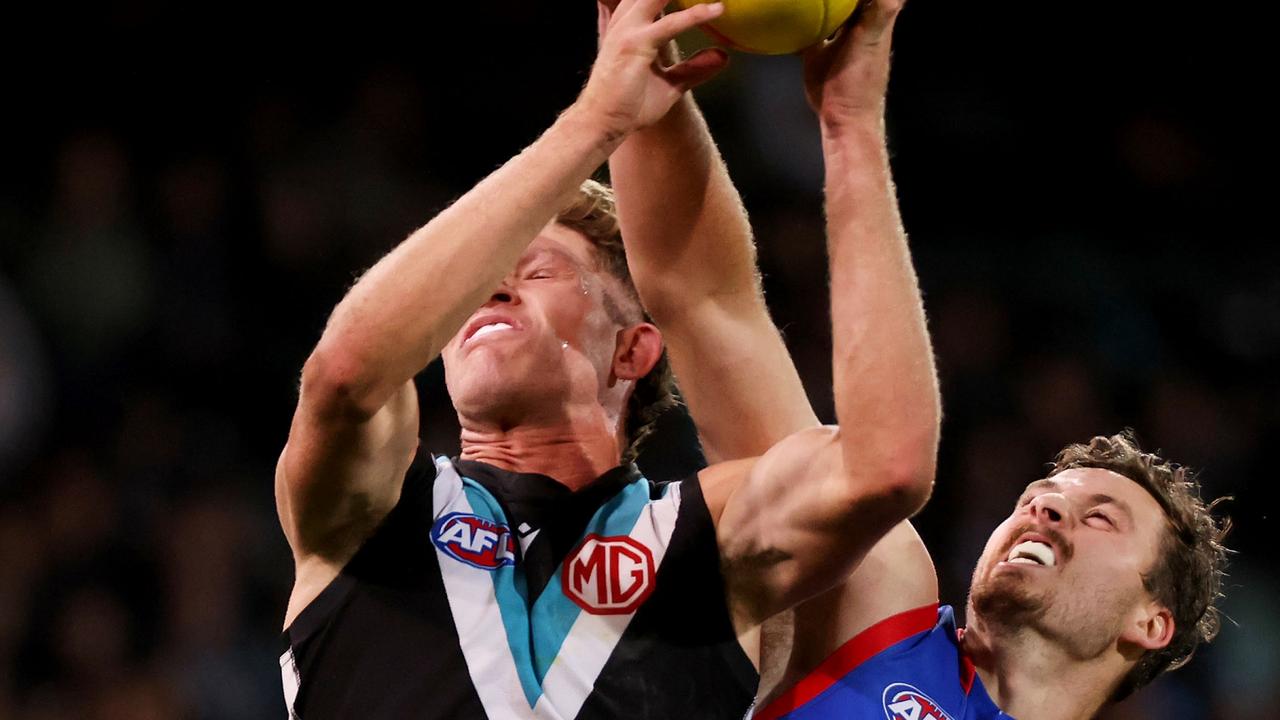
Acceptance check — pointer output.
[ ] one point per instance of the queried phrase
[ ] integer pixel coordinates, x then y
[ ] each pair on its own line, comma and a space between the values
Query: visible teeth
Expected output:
490, 328
1032, 551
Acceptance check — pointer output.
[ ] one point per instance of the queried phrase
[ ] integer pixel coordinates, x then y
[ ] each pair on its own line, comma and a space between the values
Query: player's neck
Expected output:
574, 450
1030, 677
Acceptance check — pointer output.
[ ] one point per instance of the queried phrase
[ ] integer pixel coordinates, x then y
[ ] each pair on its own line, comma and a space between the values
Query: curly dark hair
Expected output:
1188, 572
593, 213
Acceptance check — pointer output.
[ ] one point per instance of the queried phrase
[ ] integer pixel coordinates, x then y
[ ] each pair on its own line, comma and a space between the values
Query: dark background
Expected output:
186, 193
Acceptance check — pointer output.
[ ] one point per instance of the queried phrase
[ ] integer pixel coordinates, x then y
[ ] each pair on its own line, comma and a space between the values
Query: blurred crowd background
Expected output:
184, 195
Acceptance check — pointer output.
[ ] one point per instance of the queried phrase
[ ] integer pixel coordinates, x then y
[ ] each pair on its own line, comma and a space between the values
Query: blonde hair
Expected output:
593, 212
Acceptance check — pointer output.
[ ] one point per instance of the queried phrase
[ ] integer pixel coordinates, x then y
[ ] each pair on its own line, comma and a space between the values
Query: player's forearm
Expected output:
403, 311
687, 234
690, 248
886, 388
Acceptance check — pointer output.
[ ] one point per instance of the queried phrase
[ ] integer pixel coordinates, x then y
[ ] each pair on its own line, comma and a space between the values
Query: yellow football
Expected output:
776, 27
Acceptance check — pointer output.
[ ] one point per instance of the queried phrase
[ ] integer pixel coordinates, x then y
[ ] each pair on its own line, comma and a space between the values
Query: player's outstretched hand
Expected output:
846, 78
629, 88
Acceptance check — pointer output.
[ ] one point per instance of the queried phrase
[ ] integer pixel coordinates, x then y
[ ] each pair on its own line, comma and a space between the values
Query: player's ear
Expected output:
1150, 628
637, 350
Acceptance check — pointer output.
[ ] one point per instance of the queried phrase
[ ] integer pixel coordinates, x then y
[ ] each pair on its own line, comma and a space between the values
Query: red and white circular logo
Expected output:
906, 702
608, 575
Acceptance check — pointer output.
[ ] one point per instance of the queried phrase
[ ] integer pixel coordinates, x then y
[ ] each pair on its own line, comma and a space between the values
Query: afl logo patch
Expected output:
905, 702
474, 540
608, 575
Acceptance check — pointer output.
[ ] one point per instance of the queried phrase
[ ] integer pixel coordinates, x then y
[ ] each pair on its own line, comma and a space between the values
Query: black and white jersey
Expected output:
491, 594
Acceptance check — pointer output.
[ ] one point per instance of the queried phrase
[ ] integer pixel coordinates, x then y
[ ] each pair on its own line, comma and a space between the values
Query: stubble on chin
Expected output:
1006, 601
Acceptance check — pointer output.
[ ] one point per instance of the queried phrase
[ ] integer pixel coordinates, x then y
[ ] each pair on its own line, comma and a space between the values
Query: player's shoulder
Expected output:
717, 482
720, 480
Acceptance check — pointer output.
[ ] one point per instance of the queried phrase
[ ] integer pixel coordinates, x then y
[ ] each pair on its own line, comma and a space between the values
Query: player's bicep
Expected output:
798, 525
338, 477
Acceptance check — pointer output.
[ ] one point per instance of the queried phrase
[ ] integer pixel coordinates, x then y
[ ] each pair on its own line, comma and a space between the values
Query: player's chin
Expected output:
493, 397
1006, 597
1010, 577
510, 368
479, 377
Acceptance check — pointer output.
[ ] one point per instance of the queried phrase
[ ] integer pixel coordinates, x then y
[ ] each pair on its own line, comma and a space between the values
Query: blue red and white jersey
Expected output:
907, 667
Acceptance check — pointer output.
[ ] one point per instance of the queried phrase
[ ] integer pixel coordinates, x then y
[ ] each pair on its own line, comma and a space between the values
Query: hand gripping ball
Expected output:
776, 27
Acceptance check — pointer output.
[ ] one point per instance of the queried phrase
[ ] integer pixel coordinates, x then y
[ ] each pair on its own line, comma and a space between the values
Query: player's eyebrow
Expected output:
540, 253
536, 257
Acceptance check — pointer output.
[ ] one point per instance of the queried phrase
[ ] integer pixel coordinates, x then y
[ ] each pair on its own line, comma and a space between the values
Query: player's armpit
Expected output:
340, 474
800, 522
896, 576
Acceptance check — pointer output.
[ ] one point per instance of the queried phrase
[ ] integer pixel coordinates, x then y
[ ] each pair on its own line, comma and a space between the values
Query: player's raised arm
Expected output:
884, 370
813, 506
691, 254
355, 428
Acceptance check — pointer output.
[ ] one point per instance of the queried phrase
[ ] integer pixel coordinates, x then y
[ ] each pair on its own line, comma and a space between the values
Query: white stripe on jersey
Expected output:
474, 605
481, 632
592, 638
291, 680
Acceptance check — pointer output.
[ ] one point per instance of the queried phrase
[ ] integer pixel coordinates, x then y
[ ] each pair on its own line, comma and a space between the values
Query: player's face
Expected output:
544, 338
1068, 563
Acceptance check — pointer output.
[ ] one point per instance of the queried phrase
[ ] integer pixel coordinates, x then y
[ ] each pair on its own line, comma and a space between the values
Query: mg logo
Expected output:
608, 575
904, 702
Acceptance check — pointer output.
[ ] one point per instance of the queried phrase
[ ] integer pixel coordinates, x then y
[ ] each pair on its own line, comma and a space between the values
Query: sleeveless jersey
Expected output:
491, 594
907, 667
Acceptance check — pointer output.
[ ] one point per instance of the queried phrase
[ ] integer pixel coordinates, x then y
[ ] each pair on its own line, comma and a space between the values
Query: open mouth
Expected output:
489, 330
488, 325
1032, 552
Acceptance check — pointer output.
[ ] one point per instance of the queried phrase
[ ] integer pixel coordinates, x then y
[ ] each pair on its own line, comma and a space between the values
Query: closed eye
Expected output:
1101, 516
